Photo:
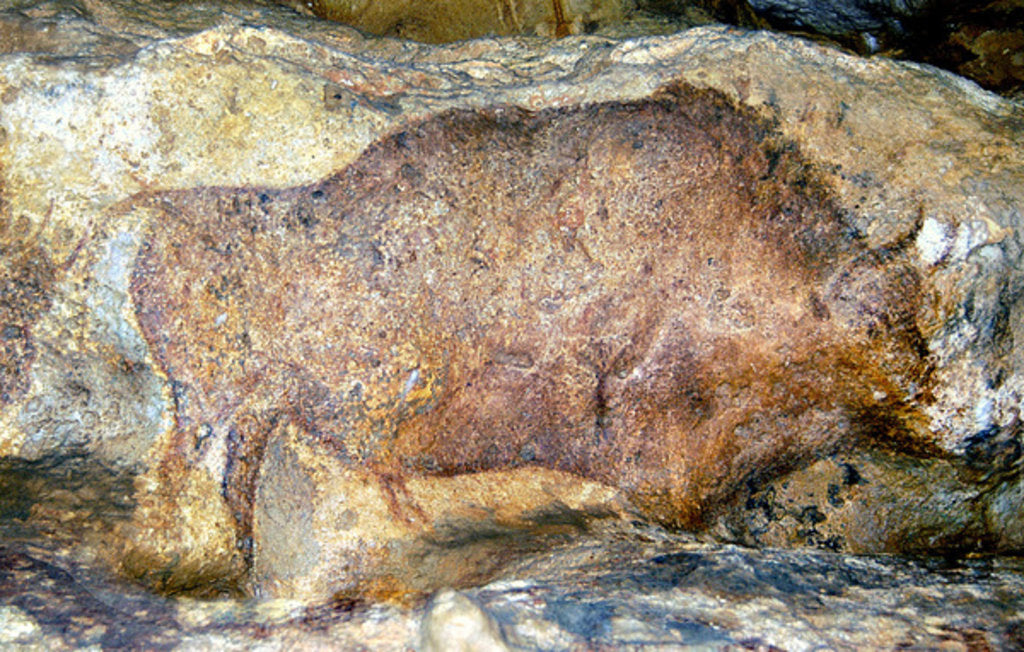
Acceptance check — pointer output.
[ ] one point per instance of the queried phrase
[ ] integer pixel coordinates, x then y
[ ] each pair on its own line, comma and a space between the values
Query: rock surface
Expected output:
983, 41
625, 586
344, 312
986, 44
840, 17
454, 20
497, 289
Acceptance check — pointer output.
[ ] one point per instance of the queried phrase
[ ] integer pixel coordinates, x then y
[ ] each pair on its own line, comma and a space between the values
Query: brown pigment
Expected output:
658, 295
26, 287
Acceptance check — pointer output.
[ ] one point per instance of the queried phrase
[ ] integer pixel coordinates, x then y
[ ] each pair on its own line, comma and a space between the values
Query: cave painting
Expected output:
657, 295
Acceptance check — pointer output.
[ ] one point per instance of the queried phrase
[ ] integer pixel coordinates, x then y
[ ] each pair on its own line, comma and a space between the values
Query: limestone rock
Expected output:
16, 626
454, 622
986, 44
345, 309
502, 290
454, 20
980, 40
838, 17
630, 587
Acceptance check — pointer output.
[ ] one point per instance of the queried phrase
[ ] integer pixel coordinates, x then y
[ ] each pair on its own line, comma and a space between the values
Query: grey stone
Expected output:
840, 17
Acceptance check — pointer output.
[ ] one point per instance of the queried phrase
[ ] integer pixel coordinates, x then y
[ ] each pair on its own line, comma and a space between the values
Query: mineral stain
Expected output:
659, 295
26, 285
453, 20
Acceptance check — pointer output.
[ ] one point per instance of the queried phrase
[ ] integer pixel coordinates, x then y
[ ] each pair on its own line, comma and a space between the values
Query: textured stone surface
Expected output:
983, 41
987, 44
850, 227
620, 586
838, 17
455, 622
453, 20
500, 290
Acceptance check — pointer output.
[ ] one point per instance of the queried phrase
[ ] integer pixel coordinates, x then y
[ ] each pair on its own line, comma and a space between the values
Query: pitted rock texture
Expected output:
26, 284
250, 480
629, 587
658, 295
452, 20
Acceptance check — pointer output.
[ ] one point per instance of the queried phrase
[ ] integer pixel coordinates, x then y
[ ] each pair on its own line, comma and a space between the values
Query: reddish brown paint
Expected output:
659, 295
